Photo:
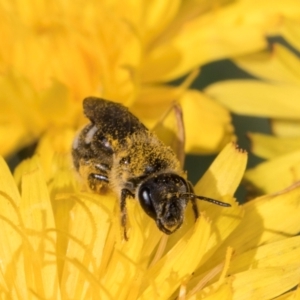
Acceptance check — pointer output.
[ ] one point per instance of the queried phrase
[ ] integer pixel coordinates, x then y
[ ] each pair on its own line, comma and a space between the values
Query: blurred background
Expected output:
54, 54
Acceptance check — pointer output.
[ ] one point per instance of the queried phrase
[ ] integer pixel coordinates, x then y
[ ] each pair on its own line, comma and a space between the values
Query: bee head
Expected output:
163, 198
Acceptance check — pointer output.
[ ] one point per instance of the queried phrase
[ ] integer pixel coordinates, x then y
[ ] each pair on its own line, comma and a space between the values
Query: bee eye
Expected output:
146, 202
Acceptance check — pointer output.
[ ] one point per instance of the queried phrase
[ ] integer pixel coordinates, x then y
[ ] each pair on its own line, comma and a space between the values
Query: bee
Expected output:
116, 151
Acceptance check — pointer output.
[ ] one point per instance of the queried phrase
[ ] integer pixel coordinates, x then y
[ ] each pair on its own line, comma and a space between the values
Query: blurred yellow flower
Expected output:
276, 96
59, 243
282, 167
54, 54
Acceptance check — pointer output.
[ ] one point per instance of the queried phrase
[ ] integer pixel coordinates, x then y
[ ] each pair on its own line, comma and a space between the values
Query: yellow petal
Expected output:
218, 184
280, 65
20, 122
289, 61
223, 292
225, 173
284, 253
166, 275
267, 219
276, 174
8, 185
97, 261
235, 29
62, 184
251, 97
286, 128
297, 294
35, 196
260, 283
170, 130
153, 102
221, 285
129, 260
13, 134
268, 256
290, 32
89, 226
265, 283
55, 142
280, 70
158, 16
55, 104
287, 296
268, 146
13, 278
207, 124
38, 220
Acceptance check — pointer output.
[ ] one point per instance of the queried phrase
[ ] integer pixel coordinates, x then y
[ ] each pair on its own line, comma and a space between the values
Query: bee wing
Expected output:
170, 130
112, 118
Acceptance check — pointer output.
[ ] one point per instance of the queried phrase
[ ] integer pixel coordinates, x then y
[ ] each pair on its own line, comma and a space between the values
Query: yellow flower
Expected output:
282, 167
275, 96
59, 243
54, 55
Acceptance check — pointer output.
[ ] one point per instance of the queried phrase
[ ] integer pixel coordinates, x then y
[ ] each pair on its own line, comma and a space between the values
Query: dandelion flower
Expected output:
52, 56
85, 257
59, 243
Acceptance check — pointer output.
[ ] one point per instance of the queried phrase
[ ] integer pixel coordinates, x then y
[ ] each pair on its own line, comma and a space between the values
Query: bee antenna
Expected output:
217, 202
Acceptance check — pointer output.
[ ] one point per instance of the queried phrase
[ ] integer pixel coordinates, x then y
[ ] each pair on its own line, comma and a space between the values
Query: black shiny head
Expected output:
163, 198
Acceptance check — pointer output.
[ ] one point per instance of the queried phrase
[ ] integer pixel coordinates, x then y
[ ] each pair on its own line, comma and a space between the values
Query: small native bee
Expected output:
116, 151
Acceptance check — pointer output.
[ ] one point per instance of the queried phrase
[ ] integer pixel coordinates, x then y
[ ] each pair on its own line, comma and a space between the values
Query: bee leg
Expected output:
124, 194
97, 182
